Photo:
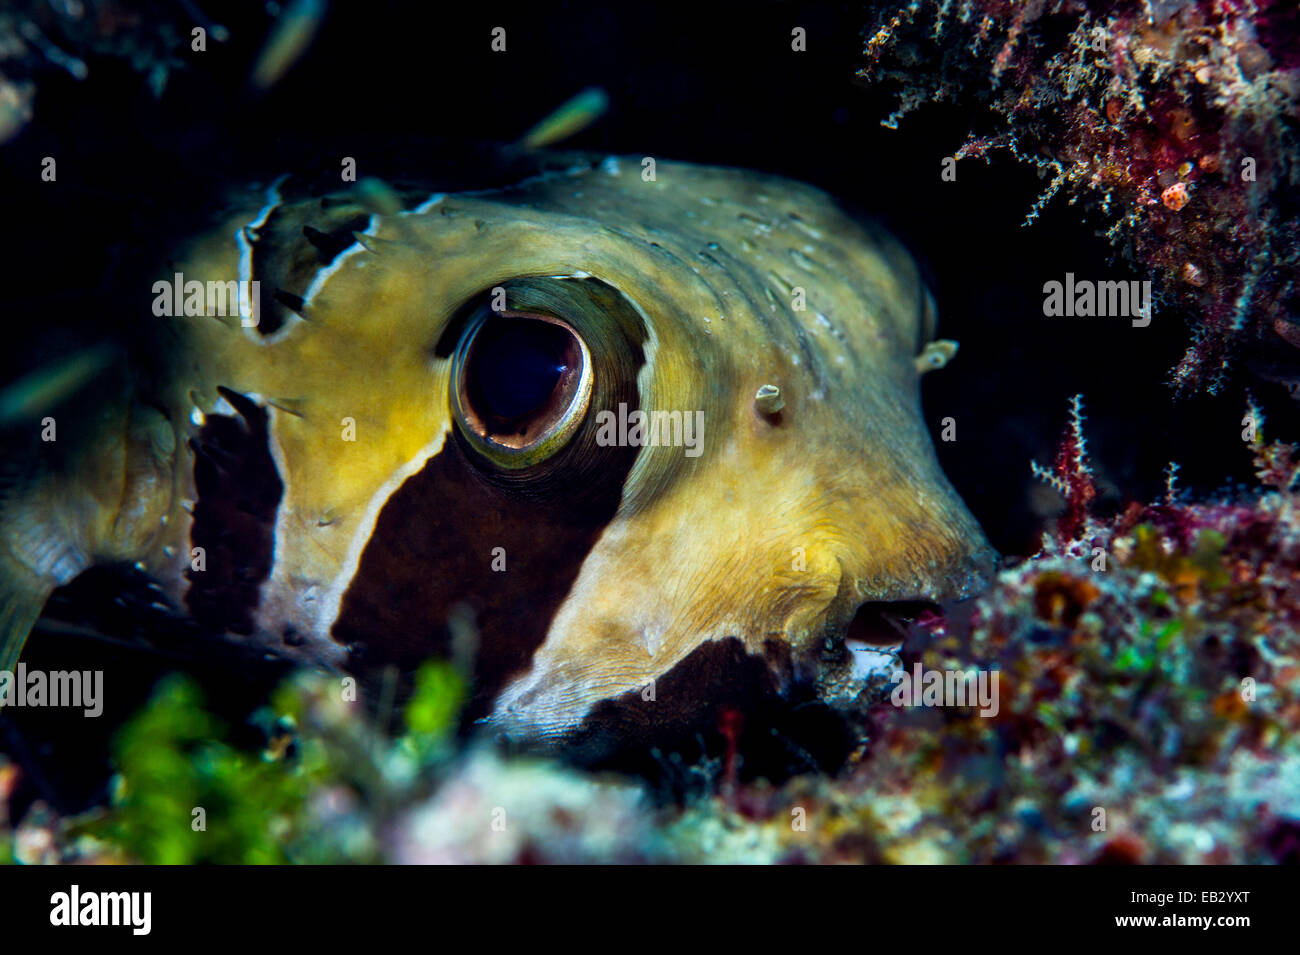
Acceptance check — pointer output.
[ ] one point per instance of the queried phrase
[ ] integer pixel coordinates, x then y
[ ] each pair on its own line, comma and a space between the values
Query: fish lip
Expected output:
884, 623
967, 575
513, 728
546, 716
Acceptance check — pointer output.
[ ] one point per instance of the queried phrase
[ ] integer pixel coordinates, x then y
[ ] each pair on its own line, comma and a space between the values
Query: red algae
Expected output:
1149, 688
1171, 122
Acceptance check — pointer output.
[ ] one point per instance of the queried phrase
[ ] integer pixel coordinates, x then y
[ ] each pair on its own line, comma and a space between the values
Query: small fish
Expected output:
288, 41
43, 389
569, 119
650, 431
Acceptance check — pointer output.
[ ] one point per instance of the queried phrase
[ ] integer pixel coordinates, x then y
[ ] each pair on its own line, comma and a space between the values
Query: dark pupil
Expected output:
515, 366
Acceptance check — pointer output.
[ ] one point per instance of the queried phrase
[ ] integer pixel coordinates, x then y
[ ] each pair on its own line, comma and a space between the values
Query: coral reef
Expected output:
37, 39
1150, 697
1173, 124
1148, 708
154, 38
1147, 658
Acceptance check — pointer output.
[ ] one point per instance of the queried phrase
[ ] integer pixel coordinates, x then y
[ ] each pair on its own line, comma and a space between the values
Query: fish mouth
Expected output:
875, 640
885, 623
823, 664
797, 716
726, 698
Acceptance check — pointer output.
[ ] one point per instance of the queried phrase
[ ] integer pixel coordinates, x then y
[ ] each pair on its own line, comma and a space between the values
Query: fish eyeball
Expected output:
521, 384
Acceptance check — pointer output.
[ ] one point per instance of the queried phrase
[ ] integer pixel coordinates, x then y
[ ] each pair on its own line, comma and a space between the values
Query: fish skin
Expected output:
698, 550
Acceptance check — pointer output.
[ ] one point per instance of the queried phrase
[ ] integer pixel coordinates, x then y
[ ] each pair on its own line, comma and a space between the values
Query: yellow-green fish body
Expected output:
435, 414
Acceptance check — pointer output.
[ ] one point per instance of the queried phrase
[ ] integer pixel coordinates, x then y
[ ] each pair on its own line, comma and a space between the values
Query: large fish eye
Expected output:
521, 384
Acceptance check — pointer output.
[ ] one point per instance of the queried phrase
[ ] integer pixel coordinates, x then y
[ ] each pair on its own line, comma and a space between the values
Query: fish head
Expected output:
646, 432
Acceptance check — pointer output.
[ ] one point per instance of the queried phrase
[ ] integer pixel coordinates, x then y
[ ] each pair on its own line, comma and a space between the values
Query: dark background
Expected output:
407, 88
403, 88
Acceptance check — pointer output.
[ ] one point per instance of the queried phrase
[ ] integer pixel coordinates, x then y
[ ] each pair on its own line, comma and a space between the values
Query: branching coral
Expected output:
1175, 122
1071, 476
1148, 710
40, 38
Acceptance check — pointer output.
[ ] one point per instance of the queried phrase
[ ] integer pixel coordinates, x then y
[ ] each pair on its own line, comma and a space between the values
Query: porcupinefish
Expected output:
646, 429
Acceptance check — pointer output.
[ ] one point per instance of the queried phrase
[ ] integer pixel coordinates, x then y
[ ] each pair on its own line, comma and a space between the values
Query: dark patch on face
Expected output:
881, 623
432, 548
238, 490
293, 303
784, 729
434, 544
288, 253
263, 270
330, 245
67, 760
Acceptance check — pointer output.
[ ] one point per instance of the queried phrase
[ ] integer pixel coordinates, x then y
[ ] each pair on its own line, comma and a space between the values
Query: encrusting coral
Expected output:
1148, 702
